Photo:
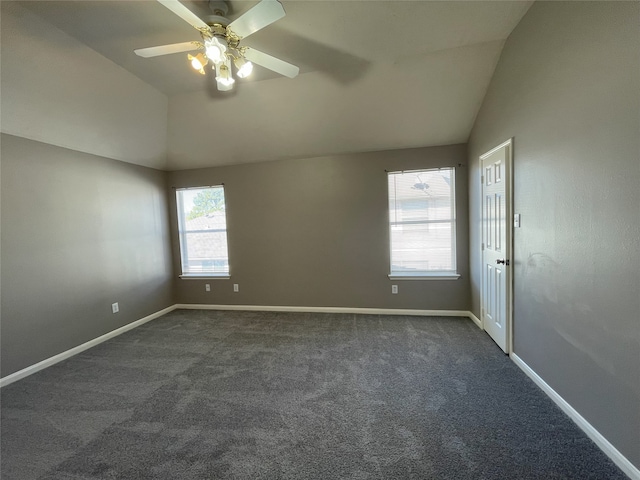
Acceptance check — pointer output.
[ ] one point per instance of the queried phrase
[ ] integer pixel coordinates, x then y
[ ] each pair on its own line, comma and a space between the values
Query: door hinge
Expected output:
483, 246
482, 179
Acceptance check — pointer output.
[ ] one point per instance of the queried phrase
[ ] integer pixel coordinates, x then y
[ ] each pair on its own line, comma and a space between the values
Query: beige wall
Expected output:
567, 88
314, 232
78, 232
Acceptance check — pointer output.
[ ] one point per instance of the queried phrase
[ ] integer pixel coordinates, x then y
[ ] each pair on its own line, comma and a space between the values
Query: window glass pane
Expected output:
206, 252
422, 247
422, 221
202, 227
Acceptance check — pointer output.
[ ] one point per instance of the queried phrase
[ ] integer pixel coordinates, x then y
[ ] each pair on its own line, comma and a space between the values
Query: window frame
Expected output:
449, 274
182, 236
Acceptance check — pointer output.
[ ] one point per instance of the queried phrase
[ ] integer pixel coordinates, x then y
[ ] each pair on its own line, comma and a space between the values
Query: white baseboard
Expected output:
475, 320
25, 372
364, 311
620, 460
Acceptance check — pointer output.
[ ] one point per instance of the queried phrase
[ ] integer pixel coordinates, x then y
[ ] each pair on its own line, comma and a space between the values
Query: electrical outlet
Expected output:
207, 287
236, 287
394, 289
115, 308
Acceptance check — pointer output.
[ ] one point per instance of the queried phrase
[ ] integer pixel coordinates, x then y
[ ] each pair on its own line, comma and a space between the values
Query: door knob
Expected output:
502, 261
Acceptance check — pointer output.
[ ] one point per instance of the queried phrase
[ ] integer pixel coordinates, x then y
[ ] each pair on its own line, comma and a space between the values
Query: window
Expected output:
422, 223
202, 227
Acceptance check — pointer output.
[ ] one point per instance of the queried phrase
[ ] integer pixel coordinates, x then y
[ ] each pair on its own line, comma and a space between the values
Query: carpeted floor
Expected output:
253, 395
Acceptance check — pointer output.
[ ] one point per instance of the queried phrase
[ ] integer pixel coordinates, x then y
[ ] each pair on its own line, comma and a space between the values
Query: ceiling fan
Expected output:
221, 38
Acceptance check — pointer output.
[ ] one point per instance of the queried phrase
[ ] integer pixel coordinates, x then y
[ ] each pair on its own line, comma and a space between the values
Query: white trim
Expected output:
212, 276
620, 460
475, 320
510, 246
495, 149
365, 311
424, 276
25, 372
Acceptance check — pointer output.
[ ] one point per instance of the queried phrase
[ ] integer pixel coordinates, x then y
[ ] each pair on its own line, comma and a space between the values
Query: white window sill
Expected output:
424, 276
205, 276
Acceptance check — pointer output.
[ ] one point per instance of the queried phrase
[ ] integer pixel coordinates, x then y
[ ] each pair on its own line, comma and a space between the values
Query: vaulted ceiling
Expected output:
374, 75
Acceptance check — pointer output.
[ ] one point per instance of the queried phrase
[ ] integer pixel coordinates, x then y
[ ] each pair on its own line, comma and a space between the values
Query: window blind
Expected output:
422, 221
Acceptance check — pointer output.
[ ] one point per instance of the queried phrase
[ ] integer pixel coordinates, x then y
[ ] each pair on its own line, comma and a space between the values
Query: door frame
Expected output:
509, 232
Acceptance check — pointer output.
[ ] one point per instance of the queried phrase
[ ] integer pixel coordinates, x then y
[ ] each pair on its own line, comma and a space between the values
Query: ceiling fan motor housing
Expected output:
218, 20
219, 8
220, 30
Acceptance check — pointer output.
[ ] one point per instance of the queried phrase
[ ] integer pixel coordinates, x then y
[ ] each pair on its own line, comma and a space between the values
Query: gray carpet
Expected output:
250, 395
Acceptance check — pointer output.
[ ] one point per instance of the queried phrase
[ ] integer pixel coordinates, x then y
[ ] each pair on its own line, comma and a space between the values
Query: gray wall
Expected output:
314, 232
567, 89
78, 233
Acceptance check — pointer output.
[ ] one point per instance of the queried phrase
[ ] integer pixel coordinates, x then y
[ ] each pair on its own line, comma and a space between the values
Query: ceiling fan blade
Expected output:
264, 13
272, 63
184, 13
168, 49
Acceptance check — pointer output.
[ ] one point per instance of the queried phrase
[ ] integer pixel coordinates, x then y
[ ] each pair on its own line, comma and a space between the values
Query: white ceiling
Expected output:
374, 74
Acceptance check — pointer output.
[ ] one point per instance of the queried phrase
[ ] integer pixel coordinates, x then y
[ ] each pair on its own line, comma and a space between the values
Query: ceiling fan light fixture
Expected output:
198, 62
216, 49
221, 41
244, 66
224, 79
223, 86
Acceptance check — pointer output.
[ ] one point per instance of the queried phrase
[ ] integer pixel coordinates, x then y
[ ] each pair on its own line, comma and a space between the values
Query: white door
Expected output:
496, 244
